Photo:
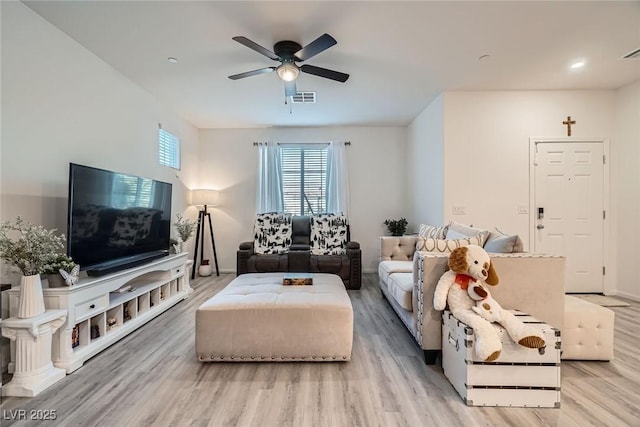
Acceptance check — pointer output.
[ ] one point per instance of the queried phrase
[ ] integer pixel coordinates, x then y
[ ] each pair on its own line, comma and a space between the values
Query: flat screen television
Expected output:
116, 220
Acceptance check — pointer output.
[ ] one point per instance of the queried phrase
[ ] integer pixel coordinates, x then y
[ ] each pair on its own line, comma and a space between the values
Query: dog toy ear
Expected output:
492, 279
458, 260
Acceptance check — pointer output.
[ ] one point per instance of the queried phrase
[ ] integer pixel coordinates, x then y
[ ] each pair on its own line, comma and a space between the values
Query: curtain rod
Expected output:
255, 143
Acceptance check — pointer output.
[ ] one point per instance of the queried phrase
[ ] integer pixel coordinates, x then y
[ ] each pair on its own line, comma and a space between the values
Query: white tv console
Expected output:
94, 303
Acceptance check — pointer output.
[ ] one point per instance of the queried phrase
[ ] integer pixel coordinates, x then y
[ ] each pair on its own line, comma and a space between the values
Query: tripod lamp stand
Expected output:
204, 198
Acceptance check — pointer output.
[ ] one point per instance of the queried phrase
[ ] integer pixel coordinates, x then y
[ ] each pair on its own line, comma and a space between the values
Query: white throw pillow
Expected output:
457, 230
500, 242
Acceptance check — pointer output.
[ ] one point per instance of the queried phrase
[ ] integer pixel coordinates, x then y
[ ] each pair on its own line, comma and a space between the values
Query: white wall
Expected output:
425, 166
486, 154
61, 104
626, 193
228, 162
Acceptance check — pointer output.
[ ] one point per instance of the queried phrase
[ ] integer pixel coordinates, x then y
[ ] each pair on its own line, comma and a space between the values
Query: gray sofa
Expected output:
300, 259
532, 283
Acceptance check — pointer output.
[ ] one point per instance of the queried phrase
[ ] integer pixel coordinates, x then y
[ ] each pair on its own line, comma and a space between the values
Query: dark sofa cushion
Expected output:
301, 229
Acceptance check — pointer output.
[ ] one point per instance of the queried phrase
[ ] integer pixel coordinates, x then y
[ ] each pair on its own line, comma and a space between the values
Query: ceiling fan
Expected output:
288, 53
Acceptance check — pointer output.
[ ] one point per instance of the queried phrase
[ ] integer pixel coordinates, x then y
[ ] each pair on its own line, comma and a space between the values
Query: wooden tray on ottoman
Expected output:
257, 318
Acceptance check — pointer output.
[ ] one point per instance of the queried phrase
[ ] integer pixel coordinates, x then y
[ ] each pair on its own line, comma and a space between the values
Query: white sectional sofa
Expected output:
532, 283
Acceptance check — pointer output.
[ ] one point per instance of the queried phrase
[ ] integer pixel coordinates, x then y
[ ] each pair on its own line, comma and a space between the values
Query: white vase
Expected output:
205, 270
31, 303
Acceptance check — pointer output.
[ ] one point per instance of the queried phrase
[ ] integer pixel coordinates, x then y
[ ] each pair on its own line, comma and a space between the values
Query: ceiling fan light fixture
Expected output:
288, 72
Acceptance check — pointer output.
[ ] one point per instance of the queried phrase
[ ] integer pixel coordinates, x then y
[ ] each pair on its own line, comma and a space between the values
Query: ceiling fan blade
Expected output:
323, 72
290, 88
252, 73
255, 46
320, 44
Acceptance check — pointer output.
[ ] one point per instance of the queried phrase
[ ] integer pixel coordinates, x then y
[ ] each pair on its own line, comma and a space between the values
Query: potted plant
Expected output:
55, 275
184, 228
29, 248
396, 227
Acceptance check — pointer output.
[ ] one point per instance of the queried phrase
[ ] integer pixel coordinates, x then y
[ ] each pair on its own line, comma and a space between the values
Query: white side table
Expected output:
34, 371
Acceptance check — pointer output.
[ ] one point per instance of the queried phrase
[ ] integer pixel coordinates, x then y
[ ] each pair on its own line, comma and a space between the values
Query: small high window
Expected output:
168, 149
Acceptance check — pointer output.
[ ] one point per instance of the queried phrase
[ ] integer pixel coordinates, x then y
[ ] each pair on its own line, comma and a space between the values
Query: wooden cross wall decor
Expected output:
569, 122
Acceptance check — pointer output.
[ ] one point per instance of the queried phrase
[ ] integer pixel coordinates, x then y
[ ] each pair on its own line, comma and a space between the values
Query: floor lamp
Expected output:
204, 198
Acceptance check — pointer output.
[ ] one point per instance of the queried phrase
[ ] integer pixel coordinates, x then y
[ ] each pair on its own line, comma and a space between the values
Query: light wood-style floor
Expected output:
152, 378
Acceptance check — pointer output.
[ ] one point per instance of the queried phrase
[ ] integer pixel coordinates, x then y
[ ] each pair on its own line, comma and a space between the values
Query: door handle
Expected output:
539, 226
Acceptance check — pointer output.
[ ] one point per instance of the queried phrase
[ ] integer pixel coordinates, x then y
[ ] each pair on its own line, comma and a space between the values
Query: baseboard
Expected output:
627, 295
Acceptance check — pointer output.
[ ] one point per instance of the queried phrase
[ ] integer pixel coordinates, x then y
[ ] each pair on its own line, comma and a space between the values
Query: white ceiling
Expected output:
400, 55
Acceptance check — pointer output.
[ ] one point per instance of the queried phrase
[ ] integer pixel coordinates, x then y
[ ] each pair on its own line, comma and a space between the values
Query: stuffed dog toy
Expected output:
488, 308
470, 266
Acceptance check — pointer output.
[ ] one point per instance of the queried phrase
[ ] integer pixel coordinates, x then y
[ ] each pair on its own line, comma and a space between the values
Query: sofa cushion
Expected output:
444, 245
300, 230
499, 242
272, 233
432, 231
457, 230
328, 234
400, 286
385, 268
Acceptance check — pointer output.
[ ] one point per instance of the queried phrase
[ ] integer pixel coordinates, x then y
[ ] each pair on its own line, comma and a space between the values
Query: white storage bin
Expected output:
521, 376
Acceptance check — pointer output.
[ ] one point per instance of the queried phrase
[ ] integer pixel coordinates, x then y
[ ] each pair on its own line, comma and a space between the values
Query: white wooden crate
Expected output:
519, 377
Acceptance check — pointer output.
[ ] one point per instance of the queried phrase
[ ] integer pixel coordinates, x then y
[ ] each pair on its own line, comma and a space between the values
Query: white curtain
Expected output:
269, 194
337, 179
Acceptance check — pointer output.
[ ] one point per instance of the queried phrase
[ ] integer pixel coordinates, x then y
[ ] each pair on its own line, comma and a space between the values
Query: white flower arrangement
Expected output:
184, 227
59, 262
33, 249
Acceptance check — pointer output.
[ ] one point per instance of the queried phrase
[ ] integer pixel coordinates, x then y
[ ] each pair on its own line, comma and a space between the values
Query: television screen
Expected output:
116, 220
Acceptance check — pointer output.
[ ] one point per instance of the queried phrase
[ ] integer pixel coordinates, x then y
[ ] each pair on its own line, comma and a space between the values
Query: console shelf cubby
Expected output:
102, 310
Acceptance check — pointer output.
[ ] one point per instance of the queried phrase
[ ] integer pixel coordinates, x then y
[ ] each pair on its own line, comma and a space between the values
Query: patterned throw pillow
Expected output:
432, 231
442, 245
328, 234
272, 233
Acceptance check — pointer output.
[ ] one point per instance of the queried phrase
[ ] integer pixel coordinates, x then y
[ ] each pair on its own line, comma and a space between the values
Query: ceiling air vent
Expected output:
634, 54
304, 98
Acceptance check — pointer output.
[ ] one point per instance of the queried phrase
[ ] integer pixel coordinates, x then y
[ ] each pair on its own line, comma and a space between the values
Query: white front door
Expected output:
569, 209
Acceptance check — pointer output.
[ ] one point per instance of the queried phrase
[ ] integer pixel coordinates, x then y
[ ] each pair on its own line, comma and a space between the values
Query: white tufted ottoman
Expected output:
256, 318
588, 330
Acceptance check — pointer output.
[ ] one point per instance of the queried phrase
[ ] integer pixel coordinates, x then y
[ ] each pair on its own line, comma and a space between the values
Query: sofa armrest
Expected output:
246, 245
397, 248
242, 257
355, 265
531, 283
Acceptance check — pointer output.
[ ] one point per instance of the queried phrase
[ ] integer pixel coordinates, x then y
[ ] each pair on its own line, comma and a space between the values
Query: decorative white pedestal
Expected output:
33, 370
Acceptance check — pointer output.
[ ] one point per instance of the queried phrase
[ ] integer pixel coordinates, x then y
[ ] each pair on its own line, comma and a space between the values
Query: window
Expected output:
168, 149
304, 179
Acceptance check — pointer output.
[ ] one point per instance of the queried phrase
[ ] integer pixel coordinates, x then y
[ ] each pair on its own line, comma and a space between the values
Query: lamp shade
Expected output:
204, 197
